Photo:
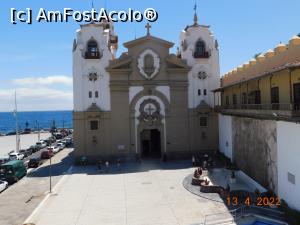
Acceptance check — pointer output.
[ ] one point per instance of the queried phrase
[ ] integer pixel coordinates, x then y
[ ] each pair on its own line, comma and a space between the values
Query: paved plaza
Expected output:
150, 193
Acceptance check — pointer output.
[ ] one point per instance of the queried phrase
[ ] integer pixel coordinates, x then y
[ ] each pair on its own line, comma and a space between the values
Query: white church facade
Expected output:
147, 102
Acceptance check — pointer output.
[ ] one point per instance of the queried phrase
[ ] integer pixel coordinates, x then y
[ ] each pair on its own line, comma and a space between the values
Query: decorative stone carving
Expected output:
202, 75
147, 70
92, 75
150, 111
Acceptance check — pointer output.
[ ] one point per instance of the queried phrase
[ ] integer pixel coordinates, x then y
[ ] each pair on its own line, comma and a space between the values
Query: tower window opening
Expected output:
200, 50
92, 50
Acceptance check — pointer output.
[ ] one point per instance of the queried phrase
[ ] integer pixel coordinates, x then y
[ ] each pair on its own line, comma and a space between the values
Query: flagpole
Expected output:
17, 127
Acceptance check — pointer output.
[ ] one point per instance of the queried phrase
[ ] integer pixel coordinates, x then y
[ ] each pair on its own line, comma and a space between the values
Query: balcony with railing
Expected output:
202, 55
289, 111
92, 55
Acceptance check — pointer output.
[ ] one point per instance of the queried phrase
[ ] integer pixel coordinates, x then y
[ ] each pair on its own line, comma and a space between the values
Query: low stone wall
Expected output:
197, 181
211, 189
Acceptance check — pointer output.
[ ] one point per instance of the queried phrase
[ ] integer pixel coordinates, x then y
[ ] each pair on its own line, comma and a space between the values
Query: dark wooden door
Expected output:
275, 98
297, 96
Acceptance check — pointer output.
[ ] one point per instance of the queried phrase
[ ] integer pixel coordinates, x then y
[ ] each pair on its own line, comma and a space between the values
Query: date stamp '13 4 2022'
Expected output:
258, 201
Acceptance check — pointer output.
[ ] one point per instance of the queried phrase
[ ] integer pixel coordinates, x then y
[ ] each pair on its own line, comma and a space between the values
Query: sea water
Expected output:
33, 120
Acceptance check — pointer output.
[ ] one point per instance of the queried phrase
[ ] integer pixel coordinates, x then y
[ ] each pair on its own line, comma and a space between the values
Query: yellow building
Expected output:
259, 115
269, 82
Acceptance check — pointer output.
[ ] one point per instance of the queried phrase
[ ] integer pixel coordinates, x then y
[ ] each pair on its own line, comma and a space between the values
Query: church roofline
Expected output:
196, 25
95, 24
135, 42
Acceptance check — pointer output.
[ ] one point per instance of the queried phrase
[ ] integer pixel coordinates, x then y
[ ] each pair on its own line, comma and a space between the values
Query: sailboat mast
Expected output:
17, 125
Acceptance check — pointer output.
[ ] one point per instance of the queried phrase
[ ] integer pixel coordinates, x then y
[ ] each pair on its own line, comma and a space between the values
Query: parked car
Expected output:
12, 171
54, 149
4, 160
49, 141
34, 148
58, 136
34, 162
3, 185
64, 141
26, 152
68, 141
16, 156
47, 154
41, 144
60, 145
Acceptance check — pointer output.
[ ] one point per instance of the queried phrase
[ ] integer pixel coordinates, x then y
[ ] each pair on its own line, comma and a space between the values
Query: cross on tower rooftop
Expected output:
195, 15
148, 26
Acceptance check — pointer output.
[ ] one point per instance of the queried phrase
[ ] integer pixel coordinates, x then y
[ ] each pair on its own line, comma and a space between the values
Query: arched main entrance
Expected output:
150, 143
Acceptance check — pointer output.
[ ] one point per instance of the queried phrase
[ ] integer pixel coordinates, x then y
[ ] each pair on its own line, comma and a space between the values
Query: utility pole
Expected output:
17, 125
38, 129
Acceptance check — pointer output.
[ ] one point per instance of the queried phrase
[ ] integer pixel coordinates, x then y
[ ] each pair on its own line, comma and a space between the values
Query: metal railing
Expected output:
274, 106
233, 215
93, 55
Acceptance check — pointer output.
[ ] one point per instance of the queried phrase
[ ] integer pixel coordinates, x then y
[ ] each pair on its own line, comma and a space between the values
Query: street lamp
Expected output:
50, 175
38, 128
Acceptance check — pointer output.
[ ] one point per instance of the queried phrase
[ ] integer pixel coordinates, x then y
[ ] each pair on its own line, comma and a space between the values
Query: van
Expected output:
12, 171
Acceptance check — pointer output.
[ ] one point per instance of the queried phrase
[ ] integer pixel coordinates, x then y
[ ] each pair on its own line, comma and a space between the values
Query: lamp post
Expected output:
50, 176
38, 129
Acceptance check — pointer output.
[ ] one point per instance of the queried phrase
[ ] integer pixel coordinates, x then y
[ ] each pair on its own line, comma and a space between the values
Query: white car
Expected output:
54, 149
41, 144
60, 145
3, 185
16, 156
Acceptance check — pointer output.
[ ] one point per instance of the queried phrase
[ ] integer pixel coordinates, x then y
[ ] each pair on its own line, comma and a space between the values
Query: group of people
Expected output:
206, 161
198, 172
99, 164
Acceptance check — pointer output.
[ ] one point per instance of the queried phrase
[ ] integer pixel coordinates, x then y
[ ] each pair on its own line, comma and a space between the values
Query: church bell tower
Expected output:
200, 49
95, 45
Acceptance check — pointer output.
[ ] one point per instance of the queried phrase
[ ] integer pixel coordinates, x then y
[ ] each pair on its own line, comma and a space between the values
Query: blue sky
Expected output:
36, 59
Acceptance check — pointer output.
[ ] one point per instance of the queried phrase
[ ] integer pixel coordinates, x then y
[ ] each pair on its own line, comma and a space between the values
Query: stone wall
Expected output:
255, 149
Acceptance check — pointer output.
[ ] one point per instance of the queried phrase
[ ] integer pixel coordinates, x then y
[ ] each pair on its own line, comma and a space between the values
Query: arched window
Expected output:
92, 50
200, 50
148, 61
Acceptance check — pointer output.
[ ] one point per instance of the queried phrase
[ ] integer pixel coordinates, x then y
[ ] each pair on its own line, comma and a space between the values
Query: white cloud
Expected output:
45, 81
31, 99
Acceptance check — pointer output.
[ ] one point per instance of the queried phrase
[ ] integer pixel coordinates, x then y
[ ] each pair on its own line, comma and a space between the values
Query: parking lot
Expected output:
20, 199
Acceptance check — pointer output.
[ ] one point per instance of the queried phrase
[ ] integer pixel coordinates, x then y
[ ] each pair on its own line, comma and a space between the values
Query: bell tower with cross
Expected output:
148, 27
